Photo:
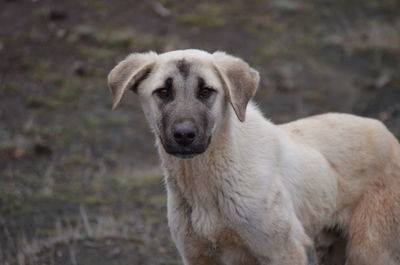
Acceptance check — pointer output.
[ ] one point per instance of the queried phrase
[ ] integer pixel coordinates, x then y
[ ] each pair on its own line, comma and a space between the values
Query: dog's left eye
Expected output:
205, 92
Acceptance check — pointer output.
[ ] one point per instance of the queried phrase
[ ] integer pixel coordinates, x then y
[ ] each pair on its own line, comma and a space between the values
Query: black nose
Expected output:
184, 133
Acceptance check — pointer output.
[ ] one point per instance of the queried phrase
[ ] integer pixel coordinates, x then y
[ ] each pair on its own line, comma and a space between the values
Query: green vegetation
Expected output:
207, 14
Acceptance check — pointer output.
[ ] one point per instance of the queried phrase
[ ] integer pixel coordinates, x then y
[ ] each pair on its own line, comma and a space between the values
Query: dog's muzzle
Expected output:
186, 141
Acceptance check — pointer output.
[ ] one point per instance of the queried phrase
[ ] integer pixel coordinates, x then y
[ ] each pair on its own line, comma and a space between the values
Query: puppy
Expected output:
242, 190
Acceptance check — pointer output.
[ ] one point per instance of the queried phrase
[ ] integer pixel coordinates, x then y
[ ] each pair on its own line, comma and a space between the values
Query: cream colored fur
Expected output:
263, 193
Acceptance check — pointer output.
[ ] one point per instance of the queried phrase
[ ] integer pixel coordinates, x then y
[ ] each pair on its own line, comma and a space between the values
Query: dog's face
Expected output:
185, 94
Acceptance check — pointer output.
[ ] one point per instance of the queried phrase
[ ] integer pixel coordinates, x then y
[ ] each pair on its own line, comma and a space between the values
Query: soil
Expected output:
80, 184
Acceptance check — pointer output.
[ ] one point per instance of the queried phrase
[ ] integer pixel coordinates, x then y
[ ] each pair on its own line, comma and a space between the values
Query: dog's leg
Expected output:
270, 228
299, 253
374, 229
311, 256
277, 239
291, 252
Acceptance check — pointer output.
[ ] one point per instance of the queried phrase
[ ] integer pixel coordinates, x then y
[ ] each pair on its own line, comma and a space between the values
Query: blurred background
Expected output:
80, 184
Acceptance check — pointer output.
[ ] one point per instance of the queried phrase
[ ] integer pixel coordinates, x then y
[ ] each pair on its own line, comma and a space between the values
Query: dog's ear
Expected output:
129, 73
240, 81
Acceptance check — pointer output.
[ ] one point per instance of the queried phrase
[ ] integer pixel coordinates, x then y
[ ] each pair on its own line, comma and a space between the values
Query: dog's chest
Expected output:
210, 224
223, 242
205, 218
213, 206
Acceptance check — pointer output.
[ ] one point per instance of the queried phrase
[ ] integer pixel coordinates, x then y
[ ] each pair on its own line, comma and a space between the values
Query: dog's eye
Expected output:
205, 92
163, 93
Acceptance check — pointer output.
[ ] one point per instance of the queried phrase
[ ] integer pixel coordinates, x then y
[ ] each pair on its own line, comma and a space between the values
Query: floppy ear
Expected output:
129, 73
239, 79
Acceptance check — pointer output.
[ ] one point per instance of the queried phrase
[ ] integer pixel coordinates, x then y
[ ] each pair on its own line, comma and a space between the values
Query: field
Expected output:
80, 184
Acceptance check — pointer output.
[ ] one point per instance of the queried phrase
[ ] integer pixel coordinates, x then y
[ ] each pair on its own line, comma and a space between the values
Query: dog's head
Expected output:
185, 94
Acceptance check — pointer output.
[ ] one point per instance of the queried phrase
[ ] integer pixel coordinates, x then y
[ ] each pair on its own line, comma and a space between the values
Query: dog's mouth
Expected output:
186, 155
185, 152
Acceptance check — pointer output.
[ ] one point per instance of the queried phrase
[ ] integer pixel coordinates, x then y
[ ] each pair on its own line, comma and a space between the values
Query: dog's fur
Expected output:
250, 192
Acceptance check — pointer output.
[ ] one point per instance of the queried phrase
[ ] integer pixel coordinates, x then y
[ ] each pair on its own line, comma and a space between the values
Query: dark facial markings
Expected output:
165, 93
183, 67
204, 92
189, 102
140, 80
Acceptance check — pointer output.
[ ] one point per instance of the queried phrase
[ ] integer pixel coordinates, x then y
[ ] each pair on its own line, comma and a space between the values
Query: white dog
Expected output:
242, 190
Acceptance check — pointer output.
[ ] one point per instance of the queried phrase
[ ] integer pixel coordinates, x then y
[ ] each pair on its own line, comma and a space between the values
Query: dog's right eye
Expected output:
163, 93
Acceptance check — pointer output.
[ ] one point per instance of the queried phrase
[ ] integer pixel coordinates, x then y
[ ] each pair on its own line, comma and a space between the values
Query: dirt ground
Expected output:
80, 184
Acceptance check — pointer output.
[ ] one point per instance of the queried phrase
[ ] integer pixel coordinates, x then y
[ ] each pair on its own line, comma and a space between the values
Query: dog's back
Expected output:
361, 146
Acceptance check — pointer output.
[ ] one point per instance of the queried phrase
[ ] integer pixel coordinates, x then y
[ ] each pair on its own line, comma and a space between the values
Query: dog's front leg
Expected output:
193, 250
272, 231
281, 243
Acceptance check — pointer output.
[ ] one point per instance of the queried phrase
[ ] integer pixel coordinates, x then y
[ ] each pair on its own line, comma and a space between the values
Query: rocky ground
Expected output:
80, 184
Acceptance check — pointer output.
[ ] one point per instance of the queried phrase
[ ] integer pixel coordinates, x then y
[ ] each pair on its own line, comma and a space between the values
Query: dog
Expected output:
244, 191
